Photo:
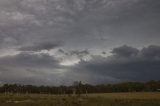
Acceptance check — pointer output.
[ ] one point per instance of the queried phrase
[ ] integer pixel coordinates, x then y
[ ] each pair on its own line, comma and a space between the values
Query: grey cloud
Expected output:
28, 78
85, 27
41, 68
125, 51
151, 52
82, 23
124, 68
61, 51
103, 52
78, 53
41, 46
29, 60
28, 68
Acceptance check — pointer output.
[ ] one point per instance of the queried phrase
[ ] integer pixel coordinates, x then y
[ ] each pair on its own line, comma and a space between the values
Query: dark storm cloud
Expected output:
86, 28
125, 51
124, 64
41, 46
80, 54
84, 52
29, 60
80, 24
135, 66
29, 68
151, 52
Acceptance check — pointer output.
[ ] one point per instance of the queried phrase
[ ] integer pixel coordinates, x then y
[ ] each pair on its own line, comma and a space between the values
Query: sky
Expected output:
57, 42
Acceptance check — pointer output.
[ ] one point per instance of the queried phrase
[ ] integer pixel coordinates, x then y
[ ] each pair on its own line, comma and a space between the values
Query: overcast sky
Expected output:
56, 42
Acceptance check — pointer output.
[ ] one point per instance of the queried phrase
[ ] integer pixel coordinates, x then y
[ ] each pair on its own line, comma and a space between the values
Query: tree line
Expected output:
80, 88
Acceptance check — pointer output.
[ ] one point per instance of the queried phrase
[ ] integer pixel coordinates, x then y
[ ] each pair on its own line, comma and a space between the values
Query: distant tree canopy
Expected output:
151, 86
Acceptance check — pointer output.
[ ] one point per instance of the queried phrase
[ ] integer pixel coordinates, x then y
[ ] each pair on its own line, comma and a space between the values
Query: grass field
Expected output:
108, 99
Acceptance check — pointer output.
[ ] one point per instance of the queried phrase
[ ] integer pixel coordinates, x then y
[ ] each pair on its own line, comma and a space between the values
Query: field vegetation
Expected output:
105, 99
78, 94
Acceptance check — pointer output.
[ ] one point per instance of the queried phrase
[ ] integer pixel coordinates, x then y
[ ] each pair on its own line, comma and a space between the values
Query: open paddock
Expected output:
106, 99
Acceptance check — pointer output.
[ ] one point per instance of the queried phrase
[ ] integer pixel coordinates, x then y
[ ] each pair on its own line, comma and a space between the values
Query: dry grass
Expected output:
108, 99
135, 95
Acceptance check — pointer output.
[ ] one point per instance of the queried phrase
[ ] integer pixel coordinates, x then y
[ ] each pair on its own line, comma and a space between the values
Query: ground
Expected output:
106, 99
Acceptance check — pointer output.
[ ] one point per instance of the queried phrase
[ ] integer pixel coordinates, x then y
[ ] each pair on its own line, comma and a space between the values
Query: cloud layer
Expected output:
61, 41
124, 64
